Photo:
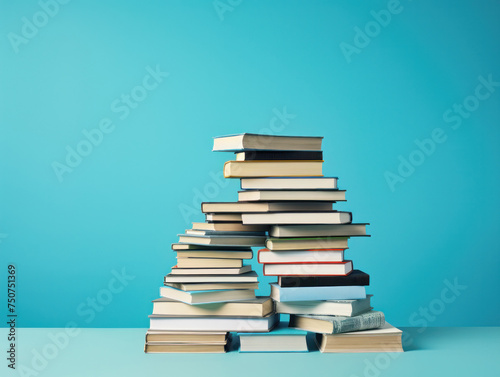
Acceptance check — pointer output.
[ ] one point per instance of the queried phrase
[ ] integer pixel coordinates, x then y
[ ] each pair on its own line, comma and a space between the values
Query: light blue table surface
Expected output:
119, 352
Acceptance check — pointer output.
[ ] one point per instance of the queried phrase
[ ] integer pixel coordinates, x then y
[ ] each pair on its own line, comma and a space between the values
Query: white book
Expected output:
230, 324
346, 308
331, 217
300, 256
288, 183
205, 297
308, 269
249, 277
210, 271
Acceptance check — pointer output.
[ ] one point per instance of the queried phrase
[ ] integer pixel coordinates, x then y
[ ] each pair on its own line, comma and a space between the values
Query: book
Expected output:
331, 268
356, 277
230, 227
216, 240
346, 308
284, 195
288, 183
336, 325
241, 169
227, 207
249, 277
185, 246
306, 243
318, 230
204, 297
331, 217
223, 217
281, 339
317, 293
212, 286
300, 256
278, 155
384, 339
257, 307
178, 337
184, 348
198, 232
220, 254
229, 324
208, 263
247, 142
210, 271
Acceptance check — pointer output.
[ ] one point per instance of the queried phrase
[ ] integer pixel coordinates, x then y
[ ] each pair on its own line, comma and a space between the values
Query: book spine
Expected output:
366, 321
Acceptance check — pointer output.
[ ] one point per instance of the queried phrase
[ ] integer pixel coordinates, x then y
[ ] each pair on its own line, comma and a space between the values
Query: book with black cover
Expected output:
356, 277
279, 155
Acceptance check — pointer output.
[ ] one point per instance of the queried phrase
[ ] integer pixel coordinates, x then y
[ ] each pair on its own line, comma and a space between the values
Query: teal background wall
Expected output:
91, 241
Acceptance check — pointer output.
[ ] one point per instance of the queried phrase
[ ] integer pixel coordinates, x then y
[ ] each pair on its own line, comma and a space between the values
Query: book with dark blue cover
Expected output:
356, 277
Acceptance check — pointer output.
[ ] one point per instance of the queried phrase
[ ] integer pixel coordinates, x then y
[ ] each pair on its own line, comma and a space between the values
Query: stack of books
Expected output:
286, 205
210, 291
307, 242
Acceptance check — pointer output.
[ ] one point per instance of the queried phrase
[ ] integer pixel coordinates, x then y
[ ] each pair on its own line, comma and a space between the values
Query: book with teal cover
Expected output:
352, 292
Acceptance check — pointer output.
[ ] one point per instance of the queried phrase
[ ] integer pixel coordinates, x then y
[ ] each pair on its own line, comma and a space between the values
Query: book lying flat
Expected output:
300, 256
240, 169
210, 271
223, 217
330, 268
208, 263
184, 348
230, 324
204, 297
247, 142
278, 155
324, 217
198, 232
318, 230
317, 293
178, 337
281, 339
185, 246
220, 254
257, 307
332, 217
346, 308
289, 183
214, 240
336, 325
227, 207
249, 277
306, 243
283, 195
384, 339
212, 286
230, 227
356, 277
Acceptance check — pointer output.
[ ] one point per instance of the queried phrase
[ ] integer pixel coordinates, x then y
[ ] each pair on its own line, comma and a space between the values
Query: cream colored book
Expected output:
256, 307
208, 263
240, 169
270, 195
213, 286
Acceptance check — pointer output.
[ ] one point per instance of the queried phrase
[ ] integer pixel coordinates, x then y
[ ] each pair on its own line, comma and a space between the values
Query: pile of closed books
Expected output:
210, 293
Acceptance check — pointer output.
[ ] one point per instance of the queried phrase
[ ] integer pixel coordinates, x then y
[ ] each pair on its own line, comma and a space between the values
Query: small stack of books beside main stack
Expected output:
210, 292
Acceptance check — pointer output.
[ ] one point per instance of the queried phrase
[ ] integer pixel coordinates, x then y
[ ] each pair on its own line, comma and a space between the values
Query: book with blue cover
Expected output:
280, 339
353, 292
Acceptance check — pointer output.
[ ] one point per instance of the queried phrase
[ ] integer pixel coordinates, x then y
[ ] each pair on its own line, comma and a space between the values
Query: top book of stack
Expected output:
254, 142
